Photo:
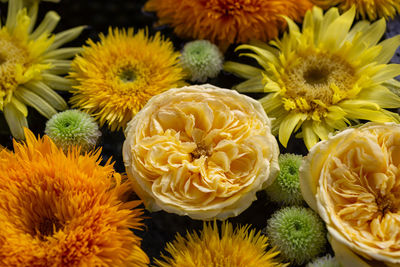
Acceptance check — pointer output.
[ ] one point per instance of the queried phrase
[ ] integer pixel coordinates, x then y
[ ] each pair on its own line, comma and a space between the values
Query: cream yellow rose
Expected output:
353, 181
200, 151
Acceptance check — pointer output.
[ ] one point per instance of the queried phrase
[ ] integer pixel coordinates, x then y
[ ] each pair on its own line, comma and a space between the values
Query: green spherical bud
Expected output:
202, 60
286, 187
298, 233
325, 261
73, 128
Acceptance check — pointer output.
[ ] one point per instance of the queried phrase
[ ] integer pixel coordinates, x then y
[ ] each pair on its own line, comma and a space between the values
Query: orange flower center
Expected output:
47, 227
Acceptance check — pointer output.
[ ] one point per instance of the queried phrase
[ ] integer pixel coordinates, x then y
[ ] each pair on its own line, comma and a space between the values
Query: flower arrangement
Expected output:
298, 156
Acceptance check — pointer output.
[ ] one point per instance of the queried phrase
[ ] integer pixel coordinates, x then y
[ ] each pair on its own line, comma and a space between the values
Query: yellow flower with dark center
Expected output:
325, 76
119, 74
226, 248
30, 62
353, 181
228, 21
61, 209
366, 9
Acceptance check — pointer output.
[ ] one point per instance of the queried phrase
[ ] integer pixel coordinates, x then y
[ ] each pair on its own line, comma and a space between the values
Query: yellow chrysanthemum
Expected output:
119, 74
61, 209
367, 9
228, 21
233, 248
324, 77
30, 63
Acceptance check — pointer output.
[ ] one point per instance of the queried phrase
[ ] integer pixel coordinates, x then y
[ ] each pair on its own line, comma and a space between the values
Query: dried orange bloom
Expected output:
353, 181
61, 209
200, 151
228, 21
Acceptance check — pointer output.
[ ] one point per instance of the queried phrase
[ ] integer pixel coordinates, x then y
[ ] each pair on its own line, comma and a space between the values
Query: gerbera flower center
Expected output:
319, 76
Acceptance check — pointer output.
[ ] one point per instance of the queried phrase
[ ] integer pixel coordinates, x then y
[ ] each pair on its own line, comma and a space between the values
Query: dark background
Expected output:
160, 227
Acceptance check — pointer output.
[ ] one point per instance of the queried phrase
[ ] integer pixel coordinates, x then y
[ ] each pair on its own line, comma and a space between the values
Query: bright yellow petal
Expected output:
242, 70
288, 124
15, 120
309, 136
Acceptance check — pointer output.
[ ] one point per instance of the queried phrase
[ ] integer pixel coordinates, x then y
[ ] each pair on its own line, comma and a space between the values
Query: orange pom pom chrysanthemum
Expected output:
61, 209
228, 21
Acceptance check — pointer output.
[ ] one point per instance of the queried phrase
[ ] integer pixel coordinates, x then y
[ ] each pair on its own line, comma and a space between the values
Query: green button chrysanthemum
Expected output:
298, 233
286, 187
202, 60
73, 128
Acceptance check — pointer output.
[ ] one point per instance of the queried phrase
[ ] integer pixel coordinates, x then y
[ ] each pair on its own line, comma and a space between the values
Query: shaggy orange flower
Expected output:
64, 210
228, 21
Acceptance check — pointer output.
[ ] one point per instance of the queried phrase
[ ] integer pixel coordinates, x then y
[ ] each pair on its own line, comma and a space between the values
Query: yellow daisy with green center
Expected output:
324, 76
118, 75
30, 62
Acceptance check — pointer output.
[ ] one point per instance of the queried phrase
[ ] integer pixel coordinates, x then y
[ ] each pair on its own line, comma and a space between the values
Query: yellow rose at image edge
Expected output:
355, 192
200, 151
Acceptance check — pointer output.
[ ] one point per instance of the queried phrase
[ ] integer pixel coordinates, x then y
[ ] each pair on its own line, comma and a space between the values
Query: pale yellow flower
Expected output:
200, 151
353, 181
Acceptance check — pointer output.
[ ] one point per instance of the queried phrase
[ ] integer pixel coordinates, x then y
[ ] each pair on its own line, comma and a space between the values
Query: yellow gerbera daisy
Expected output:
61, 209
367, 9
30, 63
233, 248
228, 21
324, 77
119, 74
